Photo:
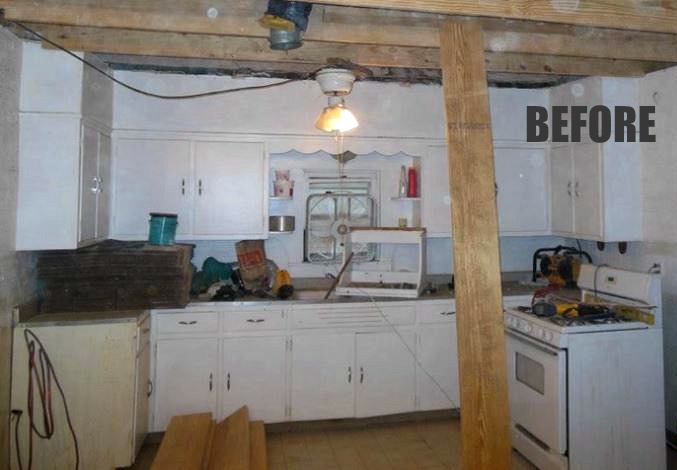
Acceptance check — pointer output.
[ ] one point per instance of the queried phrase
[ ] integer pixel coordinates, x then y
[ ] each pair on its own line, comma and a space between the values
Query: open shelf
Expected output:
280, 198
397, 198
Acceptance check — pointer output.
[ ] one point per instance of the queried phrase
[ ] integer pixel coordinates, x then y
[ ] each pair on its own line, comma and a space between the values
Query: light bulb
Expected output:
336, 118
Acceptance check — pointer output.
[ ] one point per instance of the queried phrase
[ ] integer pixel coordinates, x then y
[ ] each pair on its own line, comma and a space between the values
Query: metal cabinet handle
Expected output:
100, 184
211, 381
199, 187
192, 322
576, 192
96, 185
495, 188
446, 314
257, 320
350, 374
569, 188
150, 388
183, 186
361, 375
228, 381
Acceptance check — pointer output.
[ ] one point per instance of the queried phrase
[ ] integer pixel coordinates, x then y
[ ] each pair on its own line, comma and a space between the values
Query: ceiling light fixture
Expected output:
336, 83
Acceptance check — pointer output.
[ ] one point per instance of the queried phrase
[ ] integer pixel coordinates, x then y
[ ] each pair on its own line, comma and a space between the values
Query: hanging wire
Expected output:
156, 95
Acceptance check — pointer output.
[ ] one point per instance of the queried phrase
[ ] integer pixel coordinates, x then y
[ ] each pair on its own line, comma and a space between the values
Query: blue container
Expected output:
162, 228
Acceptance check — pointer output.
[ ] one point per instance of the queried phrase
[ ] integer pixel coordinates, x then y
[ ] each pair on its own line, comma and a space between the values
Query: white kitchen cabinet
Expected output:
218, 189
65, 117
61, 191
231, 190
385, 373
437, 371
323, 376
522, 190
102, 368
254, 374
185, 378
521, 180
151, 176
596, 188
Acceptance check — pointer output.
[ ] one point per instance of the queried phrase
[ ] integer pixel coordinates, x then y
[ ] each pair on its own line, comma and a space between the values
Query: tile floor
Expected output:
427, 445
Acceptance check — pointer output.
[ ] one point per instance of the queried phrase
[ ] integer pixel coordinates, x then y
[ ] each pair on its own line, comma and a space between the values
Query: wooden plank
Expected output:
185, 443
133, 42
369, 26
258, 456
231, 445
481, 338
622, 14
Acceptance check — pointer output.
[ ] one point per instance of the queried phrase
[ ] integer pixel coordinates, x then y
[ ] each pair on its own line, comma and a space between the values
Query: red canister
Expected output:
412, 190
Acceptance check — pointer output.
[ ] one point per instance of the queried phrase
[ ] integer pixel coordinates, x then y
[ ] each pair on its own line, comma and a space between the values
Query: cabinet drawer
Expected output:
202, 322
436, 312
255, 320
346, 316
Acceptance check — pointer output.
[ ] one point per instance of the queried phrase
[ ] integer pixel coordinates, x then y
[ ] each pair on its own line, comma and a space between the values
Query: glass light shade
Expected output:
336, 118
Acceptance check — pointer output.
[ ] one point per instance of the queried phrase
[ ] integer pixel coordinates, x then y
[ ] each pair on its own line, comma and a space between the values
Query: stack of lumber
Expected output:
115, 275
196, 442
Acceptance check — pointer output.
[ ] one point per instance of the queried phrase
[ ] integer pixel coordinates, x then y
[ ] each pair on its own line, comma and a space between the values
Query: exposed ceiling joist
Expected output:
239, 68
637, 15
131, 42
367, 26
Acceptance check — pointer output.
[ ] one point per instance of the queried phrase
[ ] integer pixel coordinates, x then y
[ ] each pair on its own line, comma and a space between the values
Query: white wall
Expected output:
17, 271
383, 110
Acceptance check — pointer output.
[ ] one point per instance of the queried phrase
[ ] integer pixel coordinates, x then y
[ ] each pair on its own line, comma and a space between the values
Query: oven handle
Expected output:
532, 342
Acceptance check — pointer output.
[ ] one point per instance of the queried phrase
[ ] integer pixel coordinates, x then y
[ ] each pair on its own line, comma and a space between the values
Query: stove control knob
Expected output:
548, 336
539, 333
527, 327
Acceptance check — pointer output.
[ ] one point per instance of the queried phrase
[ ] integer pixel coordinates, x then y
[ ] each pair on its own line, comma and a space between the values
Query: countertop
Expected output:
85, 318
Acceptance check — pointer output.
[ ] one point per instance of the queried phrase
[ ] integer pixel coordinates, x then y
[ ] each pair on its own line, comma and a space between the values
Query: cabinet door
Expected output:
522, 198
385, 373
143, 391
323, 375
185, 379
587, 190
561, 190
438, 362
231, 191
89, 184
150, 176
254, 374
104, 196
435, 199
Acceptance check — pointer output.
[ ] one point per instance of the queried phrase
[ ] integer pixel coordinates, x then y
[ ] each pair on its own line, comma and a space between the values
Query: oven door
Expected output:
537, 388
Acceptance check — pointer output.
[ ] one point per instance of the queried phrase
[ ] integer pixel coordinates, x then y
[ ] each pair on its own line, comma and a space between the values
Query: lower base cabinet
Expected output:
437, 375
385, 368
185, 372
323, 376
254, 374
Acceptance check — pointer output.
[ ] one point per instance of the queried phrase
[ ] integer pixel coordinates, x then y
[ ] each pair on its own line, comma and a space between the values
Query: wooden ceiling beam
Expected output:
132, 42
368, 28
655, 16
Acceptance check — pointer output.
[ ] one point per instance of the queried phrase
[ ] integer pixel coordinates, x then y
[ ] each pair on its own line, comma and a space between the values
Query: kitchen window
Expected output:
333, 206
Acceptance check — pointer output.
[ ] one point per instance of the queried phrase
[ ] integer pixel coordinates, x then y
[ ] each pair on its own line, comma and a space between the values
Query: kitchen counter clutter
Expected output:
308, 359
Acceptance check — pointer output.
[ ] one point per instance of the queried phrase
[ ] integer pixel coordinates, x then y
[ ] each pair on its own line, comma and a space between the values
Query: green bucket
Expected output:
162, 228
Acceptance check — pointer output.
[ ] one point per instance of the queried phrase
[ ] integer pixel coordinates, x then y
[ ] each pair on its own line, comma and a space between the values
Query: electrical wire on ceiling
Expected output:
156, 95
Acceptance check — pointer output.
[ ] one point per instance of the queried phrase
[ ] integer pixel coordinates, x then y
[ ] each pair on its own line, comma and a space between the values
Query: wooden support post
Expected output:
481, 338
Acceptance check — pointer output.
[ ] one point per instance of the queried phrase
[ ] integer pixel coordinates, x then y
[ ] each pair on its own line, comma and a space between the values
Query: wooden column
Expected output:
481, 338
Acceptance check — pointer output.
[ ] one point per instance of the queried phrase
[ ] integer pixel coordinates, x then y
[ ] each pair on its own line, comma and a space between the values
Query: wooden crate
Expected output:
115, 275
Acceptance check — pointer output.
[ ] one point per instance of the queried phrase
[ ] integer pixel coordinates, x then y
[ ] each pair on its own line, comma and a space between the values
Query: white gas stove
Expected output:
587, 392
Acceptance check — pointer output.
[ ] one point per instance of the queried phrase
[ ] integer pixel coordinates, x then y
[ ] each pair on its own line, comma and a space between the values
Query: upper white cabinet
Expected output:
522, 190
217, 188
232, 190
521, 183
64, 153
151, 176
596, 188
